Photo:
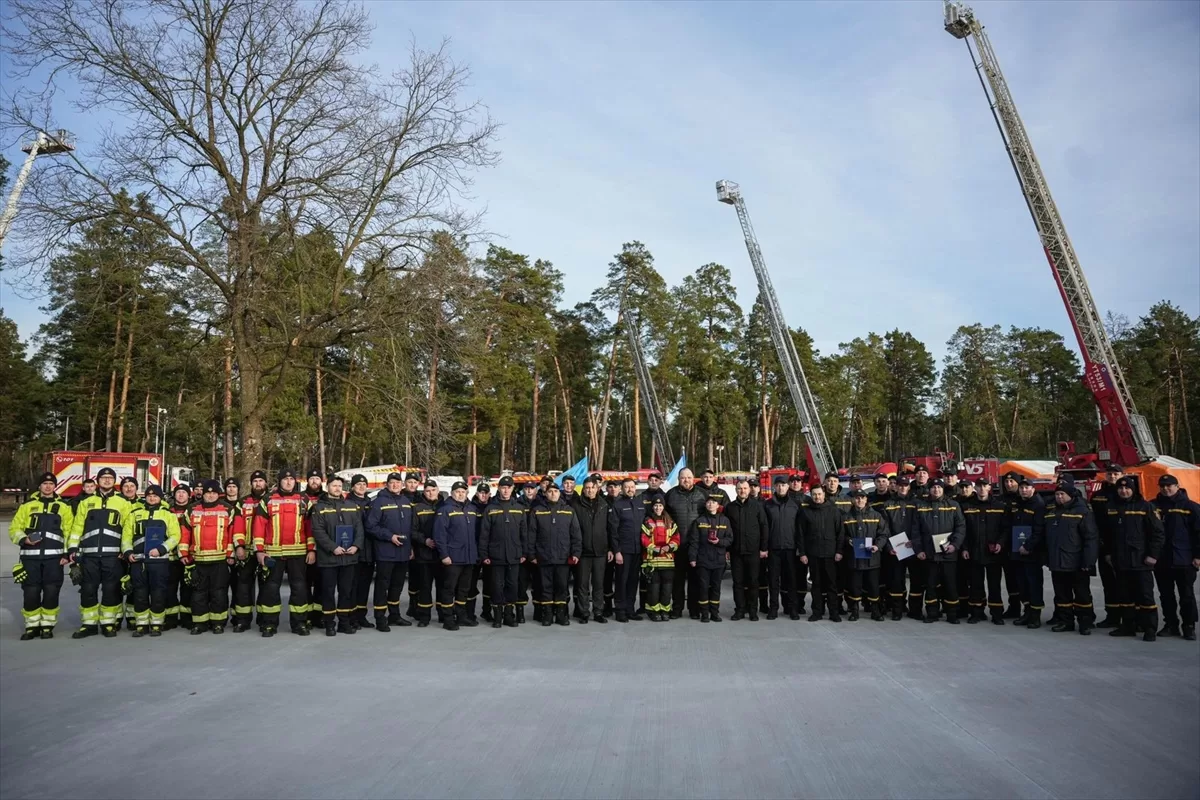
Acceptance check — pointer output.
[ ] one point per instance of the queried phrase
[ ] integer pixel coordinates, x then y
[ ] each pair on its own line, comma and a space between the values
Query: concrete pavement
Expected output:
767, 709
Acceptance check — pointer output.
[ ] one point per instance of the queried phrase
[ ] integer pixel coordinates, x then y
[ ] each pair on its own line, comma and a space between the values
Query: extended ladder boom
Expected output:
654, 415
1123, 432
820, 456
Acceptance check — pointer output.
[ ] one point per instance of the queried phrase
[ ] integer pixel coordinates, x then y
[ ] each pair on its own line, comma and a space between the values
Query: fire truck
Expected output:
71, 467
377, 475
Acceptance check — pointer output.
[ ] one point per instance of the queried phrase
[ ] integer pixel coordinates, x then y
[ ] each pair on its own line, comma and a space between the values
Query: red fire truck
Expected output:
71, 467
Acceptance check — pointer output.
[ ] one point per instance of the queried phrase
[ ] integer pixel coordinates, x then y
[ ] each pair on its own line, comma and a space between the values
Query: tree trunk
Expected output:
227, 410
566, 399
472, 452
637, 426
125, 378
433, 376
1183, 393
146, 427
533, 425
603, 422
112, 390
320, 418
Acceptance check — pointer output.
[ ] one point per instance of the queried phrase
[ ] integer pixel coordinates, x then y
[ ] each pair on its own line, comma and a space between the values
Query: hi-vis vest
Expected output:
209, 533
281, 526
99, 521
133, 537
47, 521
660, 543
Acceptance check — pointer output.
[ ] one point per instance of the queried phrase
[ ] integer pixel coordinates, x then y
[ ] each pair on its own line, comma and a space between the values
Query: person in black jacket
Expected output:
942, 532
454, 533
866, 527
424, 568
364, 575
597, 525
529, 582
337, 527
685, 503
1069, 539
1014, 578
748, 521
798, 496
1135, 545
900, 509
984, 553
391, 525
1176, 569
504, 546
782, 529
1024, 514
821, 526
557, 545
481, 573
708, 541
1101, 501
314, 491
626, 546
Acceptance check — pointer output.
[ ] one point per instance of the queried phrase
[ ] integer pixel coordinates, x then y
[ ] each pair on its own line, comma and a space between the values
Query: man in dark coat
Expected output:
1175, 570
748, 520
1134, 547
942, 531
685, 503
1069, 539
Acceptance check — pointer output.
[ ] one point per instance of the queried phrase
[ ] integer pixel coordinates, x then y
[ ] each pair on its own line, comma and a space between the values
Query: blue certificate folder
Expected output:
156, 537
1021, 534
862, 547
343, 536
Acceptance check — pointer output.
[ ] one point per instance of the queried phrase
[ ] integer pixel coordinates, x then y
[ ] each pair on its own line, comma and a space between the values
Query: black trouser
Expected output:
964, 586
762, 593
683, 586
708, 586
1013, 581
1137, 588
745, 581
535, 587
801, 581
990, 573
389, 584
312, 575
1169, 580
824, 583
420, 589
337, 594
473, 593
610, 579
269, 602
179, 596
1112, 586
892, 577
148, 582
210, 592
844, 568
364, 576
1033, 583
554, 585
643, 588
943, 579
589, 583
658, 593
625, 583
918, 574
864, 585
454, 584
244, 577
784, 588
100, 590
1073, 594
43, 582
505, 579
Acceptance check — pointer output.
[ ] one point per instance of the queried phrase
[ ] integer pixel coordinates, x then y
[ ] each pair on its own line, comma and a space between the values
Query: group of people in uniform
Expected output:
916, 547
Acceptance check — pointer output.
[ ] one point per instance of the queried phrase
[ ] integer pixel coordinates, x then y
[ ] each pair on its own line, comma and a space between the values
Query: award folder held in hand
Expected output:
156, 538
1021, 535
862, 546
343, 536
901, 546
940, 540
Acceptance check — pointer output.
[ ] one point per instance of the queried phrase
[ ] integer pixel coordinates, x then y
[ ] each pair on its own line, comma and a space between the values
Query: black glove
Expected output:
76, 573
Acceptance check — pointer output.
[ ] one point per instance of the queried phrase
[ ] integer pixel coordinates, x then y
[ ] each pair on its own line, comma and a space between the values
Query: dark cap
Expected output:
832, 474
109, 471
707, 472
1024, 482
483, 486
258, 473
431, 484
857, 493
315, 473
231, 482
856, 479
458, 485
1066, 482
712, 499
47, 476
1130, 482
796, 476
182, 487
1168, 480
753, 482
412, 476
922, 468
553, 487
1113, 467
285, 473
655, 474
780, 479
881, 475
154, 489
938, 482
358, 478
395, 476
508, 481
129, 479
1016, 476
613, 484
570, 478
904, 481
210, 486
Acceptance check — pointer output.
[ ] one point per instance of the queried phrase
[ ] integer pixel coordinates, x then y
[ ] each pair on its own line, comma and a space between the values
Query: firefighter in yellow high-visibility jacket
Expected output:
40, 528
151, 533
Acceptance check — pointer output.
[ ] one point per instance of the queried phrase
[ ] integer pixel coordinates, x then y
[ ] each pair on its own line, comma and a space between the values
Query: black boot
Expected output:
1169, 629
876, 612
1064, 624
521, 614
853, 617
704, 616
1023, 619
381, 624
451, 621
1189, 631
1034, 619
30, 633
496, 620
331, 630
916, 609
560, 615
510, 617
545, 617
715, 614
1111, 619
818, 613
835, 615
738, 615
1014, 610
486, 616
363, 622
997, 618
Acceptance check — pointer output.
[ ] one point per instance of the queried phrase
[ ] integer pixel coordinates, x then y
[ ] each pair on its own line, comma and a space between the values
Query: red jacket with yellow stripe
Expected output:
281, 525
209, 533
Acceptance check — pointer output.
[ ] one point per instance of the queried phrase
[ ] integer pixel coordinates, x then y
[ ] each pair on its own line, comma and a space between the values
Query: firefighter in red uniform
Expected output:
208, 544
245, 575
283, 544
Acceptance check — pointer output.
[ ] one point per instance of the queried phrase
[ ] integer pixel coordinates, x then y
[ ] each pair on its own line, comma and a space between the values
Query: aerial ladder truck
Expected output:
820, 456
1124, 435
654, 414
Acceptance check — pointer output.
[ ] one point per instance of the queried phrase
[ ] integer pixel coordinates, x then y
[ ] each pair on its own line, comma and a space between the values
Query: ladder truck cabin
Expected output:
820, 455
1124, 436
654, 415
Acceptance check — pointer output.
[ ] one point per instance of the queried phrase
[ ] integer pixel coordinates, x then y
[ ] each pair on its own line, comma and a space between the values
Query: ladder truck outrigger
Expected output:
820, 456
654, 414
1124, 435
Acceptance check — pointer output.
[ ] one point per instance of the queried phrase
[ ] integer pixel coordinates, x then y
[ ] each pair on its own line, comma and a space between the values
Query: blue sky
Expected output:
874, 174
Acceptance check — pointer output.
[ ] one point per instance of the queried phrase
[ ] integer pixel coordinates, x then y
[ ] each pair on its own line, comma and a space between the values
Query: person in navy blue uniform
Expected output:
557, 545
707, 544
1071, 543
503, 546
1176, 570
1135, 545
626, 546
390, 526
454, 529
